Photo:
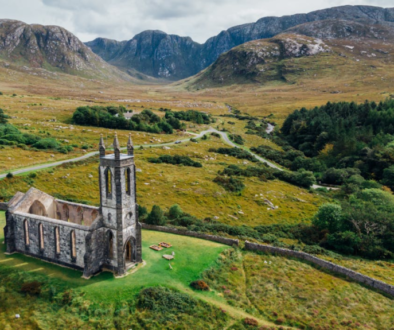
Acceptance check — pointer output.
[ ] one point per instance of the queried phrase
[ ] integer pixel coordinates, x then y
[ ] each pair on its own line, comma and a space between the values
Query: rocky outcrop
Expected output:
260, 61
342, 29
52, 48
172, 57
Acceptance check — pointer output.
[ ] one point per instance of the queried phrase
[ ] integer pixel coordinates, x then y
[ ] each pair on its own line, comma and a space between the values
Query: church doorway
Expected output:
129, 252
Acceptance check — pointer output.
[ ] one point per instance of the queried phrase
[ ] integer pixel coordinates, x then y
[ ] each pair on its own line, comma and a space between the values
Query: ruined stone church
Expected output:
86, 238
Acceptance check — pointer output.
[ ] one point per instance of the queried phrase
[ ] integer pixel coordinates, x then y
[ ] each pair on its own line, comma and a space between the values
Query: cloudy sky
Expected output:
122, 19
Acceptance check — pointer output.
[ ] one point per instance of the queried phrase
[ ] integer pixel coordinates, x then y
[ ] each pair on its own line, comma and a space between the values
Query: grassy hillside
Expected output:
290, 292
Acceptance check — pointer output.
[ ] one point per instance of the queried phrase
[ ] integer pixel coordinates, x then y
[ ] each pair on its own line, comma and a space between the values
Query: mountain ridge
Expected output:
184, 57
52, 48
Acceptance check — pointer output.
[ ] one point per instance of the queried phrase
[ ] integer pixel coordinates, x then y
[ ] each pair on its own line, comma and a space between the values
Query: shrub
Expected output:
33, 175
175, 211
237, 139
175, 160
161, 299
47, 143
329, 216
199, 285
251, 322
9, 175
235, 152
156, 216
31, 288
230, 184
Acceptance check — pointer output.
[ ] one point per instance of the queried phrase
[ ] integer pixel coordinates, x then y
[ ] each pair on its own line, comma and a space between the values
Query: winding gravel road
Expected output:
91, 154
223, 135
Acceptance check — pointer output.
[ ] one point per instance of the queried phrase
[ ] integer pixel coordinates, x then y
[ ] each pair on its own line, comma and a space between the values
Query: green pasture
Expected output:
192, 257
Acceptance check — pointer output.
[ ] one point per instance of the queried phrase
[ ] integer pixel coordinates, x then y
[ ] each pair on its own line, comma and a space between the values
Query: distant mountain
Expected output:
172, 57
289, 58
52, 48
342, 29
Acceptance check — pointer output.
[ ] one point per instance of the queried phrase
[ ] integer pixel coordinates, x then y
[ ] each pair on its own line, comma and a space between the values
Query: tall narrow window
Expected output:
110, 245
108, 182
26, 227
57, 240
127, 178
73, 246
41, 235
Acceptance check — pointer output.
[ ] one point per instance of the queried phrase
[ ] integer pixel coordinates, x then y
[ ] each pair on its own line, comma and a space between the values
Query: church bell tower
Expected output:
119, 207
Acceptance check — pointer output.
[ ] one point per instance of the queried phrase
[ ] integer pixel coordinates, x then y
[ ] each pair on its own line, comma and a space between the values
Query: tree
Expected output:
3, 117
388, 176
175, 211
329, 217
156, 216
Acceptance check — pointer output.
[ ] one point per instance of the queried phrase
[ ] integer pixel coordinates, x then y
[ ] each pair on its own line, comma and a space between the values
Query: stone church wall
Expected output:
357, 277
48, 253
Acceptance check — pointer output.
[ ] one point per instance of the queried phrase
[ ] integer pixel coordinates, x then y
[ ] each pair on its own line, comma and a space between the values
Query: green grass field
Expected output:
192, 257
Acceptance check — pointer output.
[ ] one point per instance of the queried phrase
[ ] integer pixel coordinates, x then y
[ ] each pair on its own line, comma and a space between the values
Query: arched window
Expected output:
108, 182
66, 212
57, 240
26, 227
94, 215
127, 180
73, 245
37, 208
110, 242
41, 236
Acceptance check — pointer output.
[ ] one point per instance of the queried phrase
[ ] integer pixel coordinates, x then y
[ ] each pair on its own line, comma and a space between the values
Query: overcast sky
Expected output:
122, 19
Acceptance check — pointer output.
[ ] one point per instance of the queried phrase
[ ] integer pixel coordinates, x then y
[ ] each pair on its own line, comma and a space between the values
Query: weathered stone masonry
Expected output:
78, 236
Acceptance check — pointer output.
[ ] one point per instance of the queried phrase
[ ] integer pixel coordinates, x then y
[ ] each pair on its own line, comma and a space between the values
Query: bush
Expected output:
237, 139
156, 217
329, 217
230, 184
175, 160
9, 175
47, 143
175, 211
251, 322
31, 288
235, 152
161, 299
199, 285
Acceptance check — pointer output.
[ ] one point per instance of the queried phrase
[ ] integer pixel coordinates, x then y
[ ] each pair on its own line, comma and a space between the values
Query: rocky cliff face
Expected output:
160, 55
52, 48
342, 29
260, 61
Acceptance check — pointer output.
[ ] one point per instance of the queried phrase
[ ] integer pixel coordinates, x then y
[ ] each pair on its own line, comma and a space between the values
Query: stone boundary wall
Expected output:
3, 206
183, 232
357, 277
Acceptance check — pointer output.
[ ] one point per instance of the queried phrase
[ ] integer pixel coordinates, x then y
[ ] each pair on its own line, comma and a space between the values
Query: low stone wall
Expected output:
357, 277
3, 206
184, 232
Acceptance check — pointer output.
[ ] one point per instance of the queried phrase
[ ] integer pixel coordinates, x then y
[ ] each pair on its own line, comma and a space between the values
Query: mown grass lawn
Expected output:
192, 257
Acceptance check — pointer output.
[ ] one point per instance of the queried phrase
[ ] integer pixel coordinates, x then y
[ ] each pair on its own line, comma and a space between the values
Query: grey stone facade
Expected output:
86, 238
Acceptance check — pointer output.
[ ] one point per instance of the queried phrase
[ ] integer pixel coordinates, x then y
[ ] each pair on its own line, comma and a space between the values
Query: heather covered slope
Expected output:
52, 48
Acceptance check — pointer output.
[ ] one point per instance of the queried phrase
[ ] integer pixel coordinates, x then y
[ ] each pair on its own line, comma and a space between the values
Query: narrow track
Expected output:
223, 135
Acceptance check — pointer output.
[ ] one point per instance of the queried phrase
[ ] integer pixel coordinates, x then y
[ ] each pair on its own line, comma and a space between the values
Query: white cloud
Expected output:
122, 19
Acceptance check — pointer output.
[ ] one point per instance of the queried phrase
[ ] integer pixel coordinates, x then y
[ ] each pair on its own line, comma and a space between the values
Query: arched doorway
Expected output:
129, 251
